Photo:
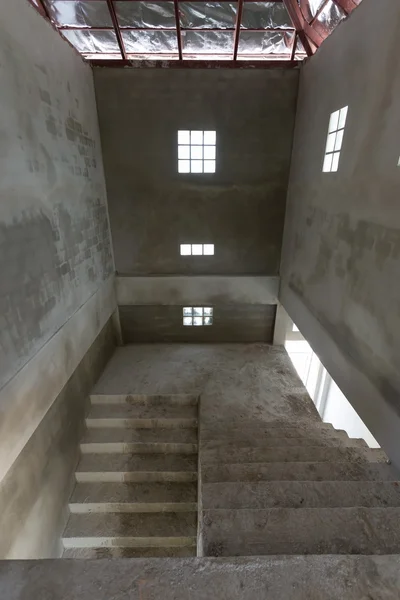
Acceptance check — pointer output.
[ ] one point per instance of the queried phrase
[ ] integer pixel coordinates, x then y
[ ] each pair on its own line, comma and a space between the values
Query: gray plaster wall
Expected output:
341, 254
153, 208
57, 271
55, 246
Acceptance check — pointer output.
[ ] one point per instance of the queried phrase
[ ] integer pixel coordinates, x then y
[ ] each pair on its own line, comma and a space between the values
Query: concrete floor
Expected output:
239, 384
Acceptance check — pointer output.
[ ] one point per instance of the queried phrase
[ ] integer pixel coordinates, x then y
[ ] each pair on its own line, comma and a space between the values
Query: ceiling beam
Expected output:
238, 23
118, 33
197, 64
178, 28
346, 5
42, 8
299, 24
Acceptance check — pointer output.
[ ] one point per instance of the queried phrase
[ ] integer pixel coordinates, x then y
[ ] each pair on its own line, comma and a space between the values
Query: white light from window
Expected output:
197, 249
334, 140
197, 151
197, 316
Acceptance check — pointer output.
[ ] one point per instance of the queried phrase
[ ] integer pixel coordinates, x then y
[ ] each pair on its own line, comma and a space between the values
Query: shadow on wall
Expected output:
331, 404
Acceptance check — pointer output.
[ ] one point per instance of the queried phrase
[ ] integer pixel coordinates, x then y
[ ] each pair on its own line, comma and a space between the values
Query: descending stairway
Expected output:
136, 490
301, 488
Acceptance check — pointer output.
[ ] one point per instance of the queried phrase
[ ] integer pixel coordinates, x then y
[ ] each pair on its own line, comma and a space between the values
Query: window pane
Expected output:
150, 42
330, 142
187, 321
208, 311
263, 15
217, 15
183, 137
210, 137
188, 310
208, 320
208, 249
184, 152
197, 250
339, 139
196, 152
146, 14
209, 166
196, 166
335, 161
184, 166
209, 152
198, 311
334, 120
327, 163
196, 137
342, 117
186, 249
198, 321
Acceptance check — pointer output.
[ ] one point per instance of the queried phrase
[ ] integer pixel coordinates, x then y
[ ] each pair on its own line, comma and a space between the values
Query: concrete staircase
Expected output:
136, 490
283, 489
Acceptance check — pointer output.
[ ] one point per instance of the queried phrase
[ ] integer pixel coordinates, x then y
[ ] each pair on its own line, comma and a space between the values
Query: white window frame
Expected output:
334, 140
197, 151
197, 316
197, 249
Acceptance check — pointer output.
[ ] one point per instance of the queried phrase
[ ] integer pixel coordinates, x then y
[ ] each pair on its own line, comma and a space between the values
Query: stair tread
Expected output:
145, 399
232, 454
129, 411
135, 492
144, 462
230, 532
110, 552
146, 525
281, 442
98, 435
300, 494
300, 471
137, 448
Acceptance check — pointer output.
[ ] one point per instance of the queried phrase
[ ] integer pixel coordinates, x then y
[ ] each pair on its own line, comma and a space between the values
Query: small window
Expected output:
334, 140
197, 151
197, 249
197, 316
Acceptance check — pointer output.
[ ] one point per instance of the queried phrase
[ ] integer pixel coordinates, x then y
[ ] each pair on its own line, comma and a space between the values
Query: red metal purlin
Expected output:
118, 33
346, 5
198, 64
178, 28
293, 54
299, 24
202, 29
237, 28
41, 7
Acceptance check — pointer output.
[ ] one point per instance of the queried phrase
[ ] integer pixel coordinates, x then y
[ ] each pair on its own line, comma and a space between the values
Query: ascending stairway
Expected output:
296, 488
136, 491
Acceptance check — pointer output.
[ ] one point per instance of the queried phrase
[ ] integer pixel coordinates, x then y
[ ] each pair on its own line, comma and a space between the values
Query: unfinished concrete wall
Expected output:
153, 208
341, 254
56, 287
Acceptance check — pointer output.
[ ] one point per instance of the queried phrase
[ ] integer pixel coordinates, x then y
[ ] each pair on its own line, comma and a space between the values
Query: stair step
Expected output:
124, 552
130, 525
300, 494
129, 542
131, 507
146, 436
250, 433
145, 399
248, 454
142, 423
300, 471
135, 492
137, 411
301, 531
214, 429
137, 448
135, 476
276, 442
139, 463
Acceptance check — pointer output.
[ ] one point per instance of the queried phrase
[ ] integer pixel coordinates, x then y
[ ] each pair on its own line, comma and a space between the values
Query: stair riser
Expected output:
137, 448
144, 400
137, 477
129, 507
141, 423
129, 542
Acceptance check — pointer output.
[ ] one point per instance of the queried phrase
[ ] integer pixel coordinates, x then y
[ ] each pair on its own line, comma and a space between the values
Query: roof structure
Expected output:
195, 32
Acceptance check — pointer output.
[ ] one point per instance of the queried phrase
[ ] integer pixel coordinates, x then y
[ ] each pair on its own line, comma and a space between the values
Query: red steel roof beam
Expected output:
178, 28
117, 29
346, 5
299, 24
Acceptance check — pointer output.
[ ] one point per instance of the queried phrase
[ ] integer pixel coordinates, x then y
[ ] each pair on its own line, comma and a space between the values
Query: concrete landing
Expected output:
275, 578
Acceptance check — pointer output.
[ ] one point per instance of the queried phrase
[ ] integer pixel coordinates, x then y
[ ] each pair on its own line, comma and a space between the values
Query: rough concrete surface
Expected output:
340, 267
275, 578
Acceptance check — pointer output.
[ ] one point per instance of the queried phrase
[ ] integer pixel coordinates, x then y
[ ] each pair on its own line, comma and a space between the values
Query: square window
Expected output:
210, 138
198, 321
184, 166
184, 152
197, 316
188, 310
186, 249
334, 140
196, 151
187, 321
208, 320
209, 166
184, 137
196, 166
197, 249
196, 138
198, 311
208, 310
208, 249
